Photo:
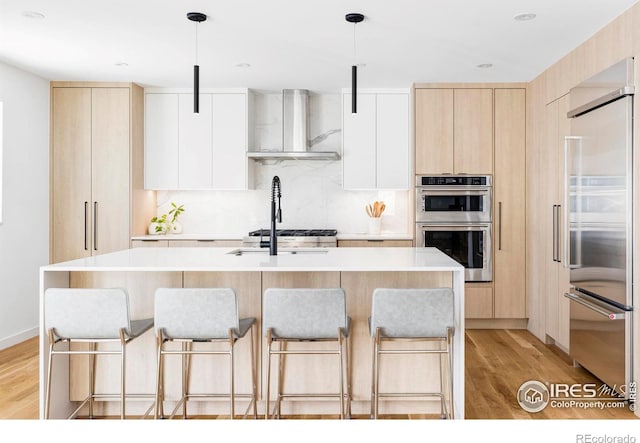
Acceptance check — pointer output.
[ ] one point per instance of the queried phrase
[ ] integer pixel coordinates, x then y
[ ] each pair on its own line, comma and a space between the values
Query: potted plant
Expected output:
174, 226
167, 223
158, 225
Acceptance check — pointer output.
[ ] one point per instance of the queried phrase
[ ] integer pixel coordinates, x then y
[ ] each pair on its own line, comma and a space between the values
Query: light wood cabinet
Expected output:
374, 243
208, 150
557, 276
454, 131
94, 137
434, 131
158, 243
478, 300
149, 243
473, 131
375, 143
205, 243
509, 204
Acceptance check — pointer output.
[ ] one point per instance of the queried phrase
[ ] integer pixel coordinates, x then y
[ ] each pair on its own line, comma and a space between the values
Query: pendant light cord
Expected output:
354, 45
196, 43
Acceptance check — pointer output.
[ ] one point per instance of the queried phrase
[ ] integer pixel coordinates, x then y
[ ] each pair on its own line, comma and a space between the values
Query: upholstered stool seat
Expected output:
416, 315
92, 316
200, 315
306, 315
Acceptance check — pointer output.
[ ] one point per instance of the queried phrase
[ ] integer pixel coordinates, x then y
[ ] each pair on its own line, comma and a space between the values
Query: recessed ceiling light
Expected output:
243, 65
32, 14
524, 17
485, 65
122, 64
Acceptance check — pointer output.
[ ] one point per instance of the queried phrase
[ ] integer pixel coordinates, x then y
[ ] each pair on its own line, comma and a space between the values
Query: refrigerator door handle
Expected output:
609, 314
567, 188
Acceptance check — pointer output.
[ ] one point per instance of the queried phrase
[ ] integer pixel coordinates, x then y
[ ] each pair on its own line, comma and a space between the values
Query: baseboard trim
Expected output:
18, 338
496, 323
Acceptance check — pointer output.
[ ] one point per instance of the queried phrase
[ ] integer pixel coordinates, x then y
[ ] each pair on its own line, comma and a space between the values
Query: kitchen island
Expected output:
249, 272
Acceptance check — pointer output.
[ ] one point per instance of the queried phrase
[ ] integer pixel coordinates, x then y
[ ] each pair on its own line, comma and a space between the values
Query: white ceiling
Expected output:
296, 43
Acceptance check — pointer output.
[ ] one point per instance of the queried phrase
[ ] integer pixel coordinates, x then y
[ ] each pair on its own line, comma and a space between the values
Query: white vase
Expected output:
153, 228
375, 225
175, 228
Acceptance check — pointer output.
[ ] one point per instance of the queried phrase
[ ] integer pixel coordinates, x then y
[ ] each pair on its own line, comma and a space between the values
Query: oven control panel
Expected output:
454, 180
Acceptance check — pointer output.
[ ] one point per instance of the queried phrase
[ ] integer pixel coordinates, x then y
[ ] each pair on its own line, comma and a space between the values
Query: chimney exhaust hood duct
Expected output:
295, 131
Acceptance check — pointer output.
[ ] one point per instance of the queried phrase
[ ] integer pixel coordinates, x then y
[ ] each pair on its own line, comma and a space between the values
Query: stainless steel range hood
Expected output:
295, 131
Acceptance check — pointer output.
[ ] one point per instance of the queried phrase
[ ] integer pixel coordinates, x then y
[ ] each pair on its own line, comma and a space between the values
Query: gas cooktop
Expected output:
296, 233
294, 238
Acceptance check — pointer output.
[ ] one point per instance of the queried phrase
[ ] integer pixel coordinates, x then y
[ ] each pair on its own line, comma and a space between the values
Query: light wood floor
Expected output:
497, 363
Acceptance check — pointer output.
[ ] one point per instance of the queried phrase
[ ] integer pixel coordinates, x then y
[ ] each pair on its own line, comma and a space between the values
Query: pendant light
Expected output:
196, 17
354, 18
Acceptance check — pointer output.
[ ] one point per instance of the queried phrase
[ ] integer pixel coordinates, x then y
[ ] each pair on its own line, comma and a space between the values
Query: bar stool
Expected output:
200, 315
306, 315
412, 314
91, 316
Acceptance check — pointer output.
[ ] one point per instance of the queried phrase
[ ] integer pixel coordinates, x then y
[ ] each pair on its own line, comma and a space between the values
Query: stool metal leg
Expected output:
281, 363
159, 397
441, 369
92, 377
450, 360
254, 387
269, 343
47, 403
185, 381
377, 373
340, 356
348, 375
231, 379
123, 363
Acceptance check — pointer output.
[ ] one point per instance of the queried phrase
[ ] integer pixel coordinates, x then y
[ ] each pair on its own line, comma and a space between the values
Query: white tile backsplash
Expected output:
312, 194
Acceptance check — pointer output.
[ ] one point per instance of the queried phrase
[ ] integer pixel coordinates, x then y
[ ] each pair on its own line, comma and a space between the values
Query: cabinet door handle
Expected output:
554, 223
95, 226
86, 227
499, 226
558, 231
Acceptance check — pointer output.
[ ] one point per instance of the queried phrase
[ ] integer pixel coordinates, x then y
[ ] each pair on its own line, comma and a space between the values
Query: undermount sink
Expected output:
291, 251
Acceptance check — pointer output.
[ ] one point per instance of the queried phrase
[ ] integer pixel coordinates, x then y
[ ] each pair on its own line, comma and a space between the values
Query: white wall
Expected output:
24, 231
312, 194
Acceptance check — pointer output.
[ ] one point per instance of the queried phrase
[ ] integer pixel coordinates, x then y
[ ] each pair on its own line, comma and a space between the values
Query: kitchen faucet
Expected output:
273, 242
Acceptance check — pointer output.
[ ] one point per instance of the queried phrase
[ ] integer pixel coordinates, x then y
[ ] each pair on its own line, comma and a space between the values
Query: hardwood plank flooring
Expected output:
19, 380
497, 363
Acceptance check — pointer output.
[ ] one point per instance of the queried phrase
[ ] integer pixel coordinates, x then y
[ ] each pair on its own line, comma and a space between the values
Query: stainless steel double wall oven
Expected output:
453, 214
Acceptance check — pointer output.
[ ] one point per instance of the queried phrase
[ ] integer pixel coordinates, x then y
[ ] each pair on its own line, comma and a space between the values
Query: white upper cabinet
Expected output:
207, 150
161, 141
375, 144
359, 143
229, 145
195, 156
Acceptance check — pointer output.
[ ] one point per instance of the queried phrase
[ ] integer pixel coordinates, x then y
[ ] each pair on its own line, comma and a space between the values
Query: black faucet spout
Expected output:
276, 216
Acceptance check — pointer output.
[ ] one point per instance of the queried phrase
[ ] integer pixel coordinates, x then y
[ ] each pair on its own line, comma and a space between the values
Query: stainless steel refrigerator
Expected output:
599, 210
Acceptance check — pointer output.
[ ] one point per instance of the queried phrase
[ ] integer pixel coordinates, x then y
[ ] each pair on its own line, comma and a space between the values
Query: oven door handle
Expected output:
460, 227
448, 191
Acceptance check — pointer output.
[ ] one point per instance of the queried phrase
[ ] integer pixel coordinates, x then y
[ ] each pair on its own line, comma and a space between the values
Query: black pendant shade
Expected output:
354, 88
354, 18
196, 17
196, 89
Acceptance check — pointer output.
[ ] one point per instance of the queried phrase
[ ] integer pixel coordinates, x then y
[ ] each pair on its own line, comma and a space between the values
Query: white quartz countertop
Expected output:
256, 259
